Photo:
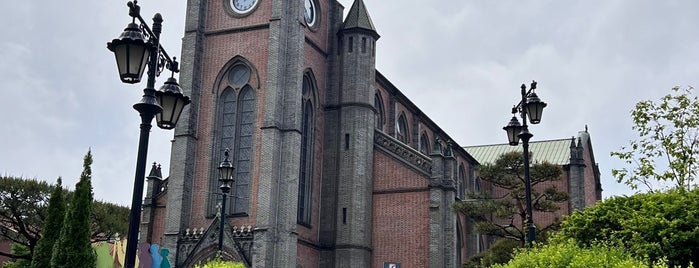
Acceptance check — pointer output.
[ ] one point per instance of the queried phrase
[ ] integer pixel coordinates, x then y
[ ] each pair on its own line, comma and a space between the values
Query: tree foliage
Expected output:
219, 263
569, 255
18, 249
51, 229
108, 220
74, 248
499, 252
667, 148
24, 210
22, 213
651, 226
496, 215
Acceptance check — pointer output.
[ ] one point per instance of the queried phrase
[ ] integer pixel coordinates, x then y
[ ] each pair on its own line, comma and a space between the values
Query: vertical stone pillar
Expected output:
275, 236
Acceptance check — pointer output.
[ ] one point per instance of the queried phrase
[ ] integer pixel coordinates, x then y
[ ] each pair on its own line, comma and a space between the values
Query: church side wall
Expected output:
307, 256
158, 219
400, 213
589, 177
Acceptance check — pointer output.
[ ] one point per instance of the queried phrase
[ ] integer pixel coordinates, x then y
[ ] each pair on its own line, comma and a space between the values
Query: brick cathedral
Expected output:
334, 166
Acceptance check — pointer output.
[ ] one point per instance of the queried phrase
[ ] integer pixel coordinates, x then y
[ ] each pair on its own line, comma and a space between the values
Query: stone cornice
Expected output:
403, 152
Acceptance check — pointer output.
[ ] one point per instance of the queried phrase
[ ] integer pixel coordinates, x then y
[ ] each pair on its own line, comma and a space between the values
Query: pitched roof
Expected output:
552, 151
358, 17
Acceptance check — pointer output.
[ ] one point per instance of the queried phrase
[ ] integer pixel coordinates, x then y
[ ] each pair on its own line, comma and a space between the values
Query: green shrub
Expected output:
568, 255
650, 226
218, 263
500, 252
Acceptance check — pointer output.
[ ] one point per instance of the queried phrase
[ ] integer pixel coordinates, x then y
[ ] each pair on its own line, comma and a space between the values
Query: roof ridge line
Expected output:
499, 144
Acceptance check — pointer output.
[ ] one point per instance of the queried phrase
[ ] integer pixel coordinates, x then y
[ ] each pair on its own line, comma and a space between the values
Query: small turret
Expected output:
358, 20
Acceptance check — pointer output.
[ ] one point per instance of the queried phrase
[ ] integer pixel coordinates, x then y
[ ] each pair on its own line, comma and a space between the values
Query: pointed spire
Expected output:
358, 18
155, 172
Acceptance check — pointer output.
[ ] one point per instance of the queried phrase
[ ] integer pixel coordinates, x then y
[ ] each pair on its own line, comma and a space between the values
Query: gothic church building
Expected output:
334, 166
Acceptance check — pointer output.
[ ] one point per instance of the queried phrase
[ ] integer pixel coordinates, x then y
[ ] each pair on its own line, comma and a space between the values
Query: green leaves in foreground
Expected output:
569, 255
218, 263
667, 148
651, 226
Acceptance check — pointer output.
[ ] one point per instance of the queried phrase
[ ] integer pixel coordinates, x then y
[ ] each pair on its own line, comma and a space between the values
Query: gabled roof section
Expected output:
553, 151
358, 18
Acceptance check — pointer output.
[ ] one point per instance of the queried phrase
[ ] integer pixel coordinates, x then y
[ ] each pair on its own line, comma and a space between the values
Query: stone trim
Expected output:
403, 152
402, 190
237, 29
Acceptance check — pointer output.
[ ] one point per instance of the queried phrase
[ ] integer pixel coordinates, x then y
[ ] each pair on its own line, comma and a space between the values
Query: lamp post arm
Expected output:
525, 93
163, 59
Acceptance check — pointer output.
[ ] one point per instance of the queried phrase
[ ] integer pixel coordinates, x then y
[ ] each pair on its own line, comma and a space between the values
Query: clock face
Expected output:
309, 12
243, 6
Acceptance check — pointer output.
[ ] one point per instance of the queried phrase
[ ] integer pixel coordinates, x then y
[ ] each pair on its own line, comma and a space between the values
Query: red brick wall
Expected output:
219, 50
306, 256
590, 183
400, 219
319, 33
5, 246
218, 19
159, 219
315, 62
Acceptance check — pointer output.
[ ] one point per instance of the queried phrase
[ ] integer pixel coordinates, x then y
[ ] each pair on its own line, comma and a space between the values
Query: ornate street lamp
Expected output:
530, 105
173, 102
535, 107
225, 170
132, 52
513, 129
139, 46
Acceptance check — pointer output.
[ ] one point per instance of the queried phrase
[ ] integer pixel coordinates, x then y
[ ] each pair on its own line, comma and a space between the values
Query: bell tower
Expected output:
242, 64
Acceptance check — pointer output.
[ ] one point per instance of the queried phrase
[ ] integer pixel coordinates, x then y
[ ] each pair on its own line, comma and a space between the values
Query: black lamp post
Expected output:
531, 106
225, 169
137, 47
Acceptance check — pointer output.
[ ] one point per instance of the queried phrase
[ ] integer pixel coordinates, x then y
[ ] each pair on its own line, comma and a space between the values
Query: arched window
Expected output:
424, 144
402, 129
378, 105
461, 184
234, 130
306, 165
459, 242
475, 182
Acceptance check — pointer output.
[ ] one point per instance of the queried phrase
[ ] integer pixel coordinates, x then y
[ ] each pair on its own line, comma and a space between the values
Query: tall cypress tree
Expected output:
52, 228
73, 248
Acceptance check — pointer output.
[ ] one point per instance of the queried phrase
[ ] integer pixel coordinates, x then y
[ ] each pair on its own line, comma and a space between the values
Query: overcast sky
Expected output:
460, 61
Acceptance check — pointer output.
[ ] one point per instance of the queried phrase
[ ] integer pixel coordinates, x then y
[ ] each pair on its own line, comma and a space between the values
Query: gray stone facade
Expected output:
357, 161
